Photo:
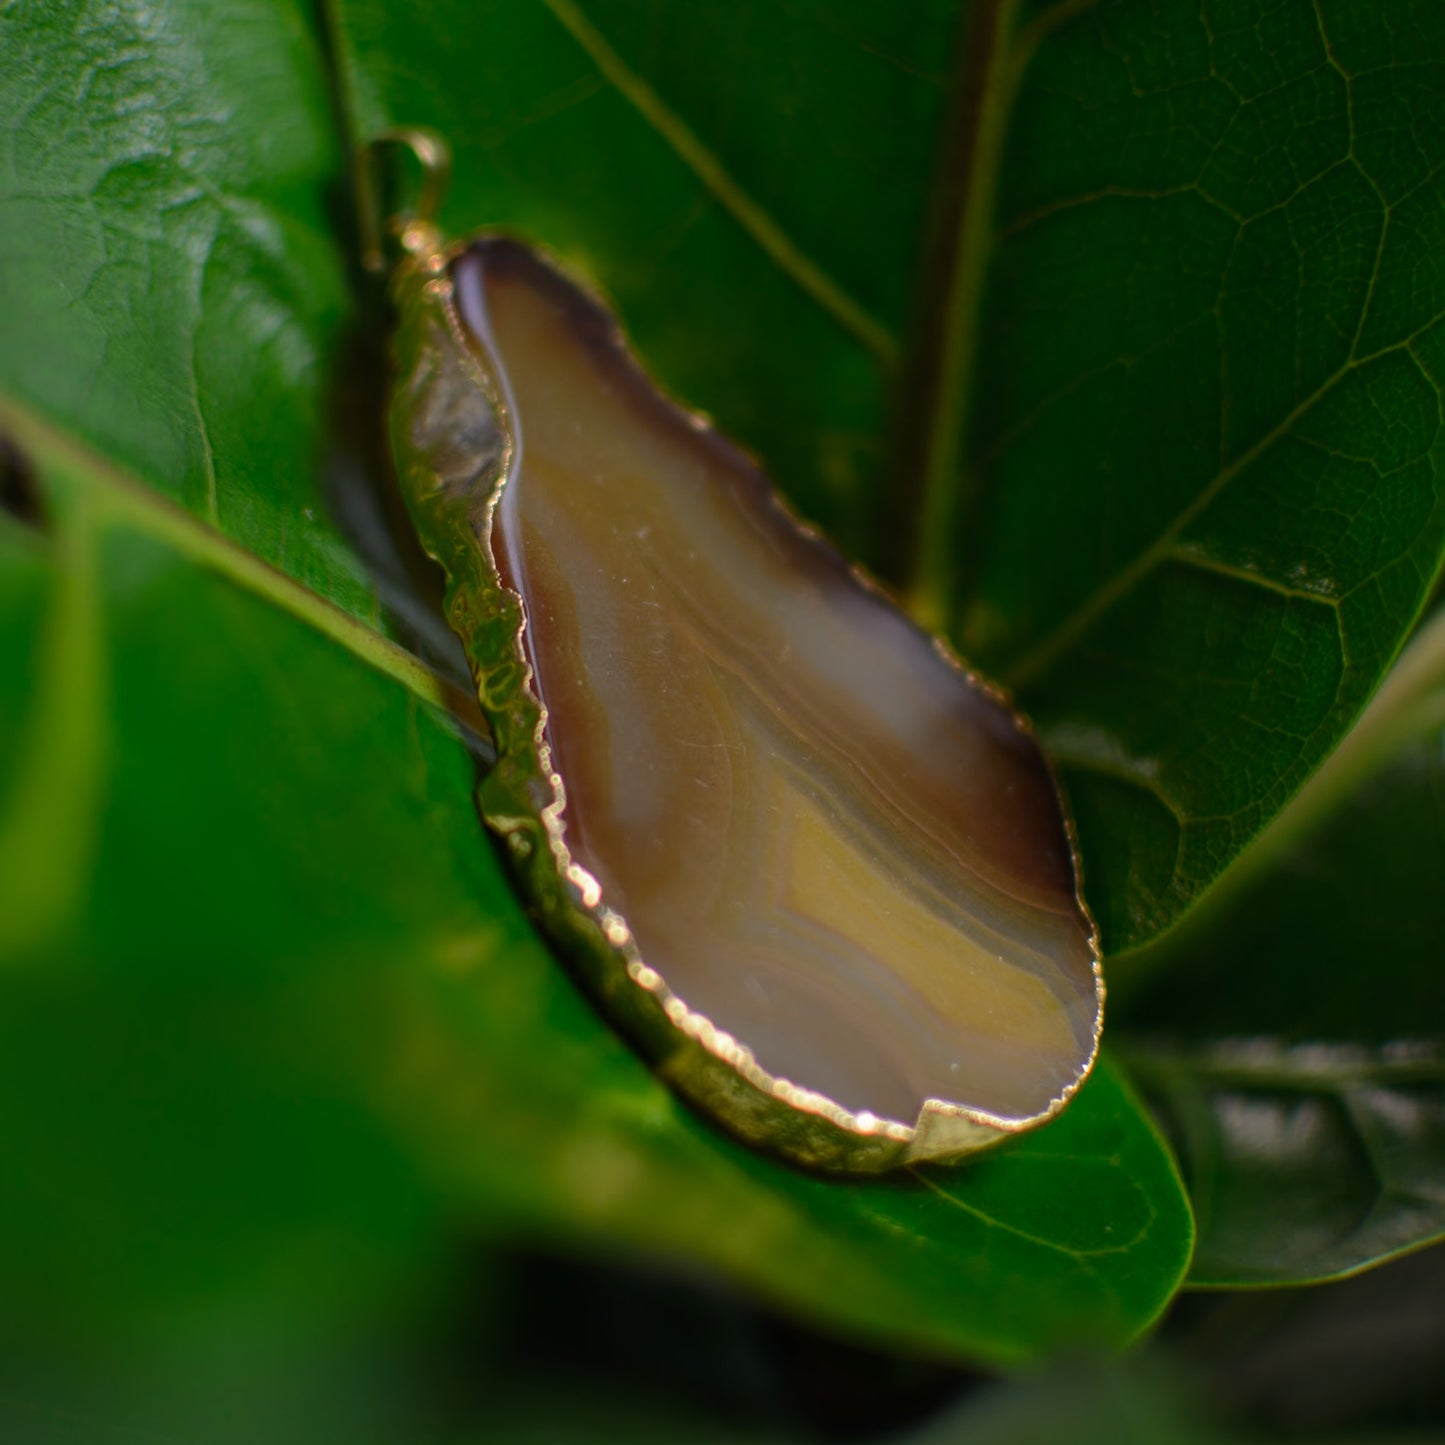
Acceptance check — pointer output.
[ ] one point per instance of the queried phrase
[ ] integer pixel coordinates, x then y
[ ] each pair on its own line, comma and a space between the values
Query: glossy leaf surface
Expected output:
170, 269
1247, 335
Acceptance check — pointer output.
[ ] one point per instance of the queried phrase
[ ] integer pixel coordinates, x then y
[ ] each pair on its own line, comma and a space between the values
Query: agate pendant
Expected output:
819, 873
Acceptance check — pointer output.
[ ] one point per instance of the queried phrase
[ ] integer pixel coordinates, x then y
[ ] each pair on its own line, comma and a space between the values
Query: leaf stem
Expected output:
49, 825
933, 445
345, 106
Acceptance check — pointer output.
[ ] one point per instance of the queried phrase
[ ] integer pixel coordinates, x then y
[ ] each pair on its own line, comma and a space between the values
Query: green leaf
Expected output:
345, 1024
1290, 1033
172, 286
1157, 434
1212, 403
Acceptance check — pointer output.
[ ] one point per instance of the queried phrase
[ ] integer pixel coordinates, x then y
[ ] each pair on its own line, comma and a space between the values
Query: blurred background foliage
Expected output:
1106, 331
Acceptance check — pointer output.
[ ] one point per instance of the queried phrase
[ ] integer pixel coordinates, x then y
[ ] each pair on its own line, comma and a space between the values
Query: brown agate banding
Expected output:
817, 870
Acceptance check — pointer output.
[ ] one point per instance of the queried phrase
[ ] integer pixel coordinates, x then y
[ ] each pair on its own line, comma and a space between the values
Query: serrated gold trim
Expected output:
523, 799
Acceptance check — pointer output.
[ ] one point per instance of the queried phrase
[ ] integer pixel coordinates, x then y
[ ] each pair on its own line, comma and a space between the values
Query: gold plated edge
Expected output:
413, 229
523, 798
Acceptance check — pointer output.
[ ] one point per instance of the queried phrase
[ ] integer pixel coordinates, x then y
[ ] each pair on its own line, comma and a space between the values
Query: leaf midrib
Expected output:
125, 498
933, 437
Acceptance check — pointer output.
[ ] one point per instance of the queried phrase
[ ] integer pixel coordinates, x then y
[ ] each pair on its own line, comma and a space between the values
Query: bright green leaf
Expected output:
172, 286
346, 1023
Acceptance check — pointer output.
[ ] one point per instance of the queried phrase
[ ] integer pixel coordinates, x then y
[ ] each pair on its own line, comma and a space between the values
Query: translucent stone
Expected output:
823, 835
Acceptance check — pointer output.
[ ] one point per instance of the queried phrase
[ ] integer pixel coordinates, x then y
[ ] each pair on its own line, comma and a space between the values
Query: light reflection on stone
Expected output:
821, 834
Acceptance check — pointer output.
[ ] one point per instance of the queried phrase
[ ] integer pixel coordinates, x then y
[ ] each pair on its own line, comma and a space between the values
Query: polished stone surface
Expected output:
823, 836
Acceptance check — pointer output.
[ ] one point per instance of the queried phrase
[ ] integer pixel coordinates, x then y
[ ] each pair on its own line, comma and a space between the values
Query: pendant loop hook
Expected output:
412, 227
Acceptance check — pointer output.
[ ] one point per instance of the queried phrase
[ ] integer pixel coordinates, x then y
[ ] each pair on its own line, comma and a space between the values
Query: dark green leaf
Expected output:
748, 183
1160, 424
1291, 1033
1212, 403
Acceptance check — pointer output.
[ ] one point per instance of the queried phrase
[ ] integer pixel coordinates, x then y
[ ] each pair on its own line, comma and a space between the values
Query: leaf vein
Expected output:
1044, 653
785, 253
130, 501
1188, 558
1081, 1256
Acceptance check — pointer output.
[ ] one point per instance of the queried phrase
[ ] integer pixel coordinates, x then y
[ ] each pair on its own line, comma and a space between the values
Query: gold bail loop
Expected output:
412, 227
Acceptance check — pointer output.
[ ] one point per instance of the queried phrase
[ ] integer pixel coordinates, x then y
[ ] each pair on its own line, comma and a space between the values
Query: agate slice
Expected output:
820, 873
